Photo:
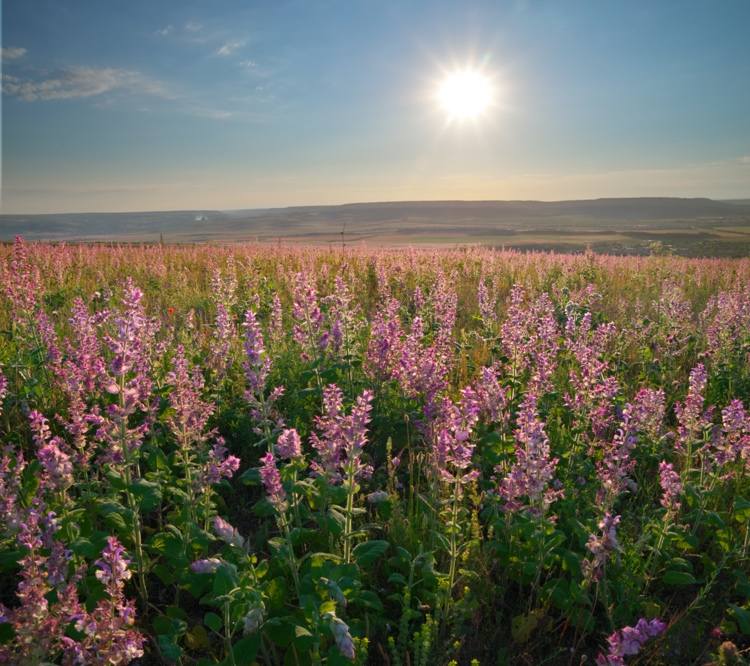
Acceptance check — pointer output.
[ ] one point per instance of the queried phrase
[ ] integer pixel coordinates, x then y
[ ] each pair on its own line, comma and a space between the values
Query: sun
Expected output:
465, 94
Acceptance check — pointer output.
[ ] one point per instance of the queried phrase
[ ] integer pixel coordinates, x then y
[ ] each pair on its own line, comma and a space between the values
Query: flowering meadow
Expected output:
295, 455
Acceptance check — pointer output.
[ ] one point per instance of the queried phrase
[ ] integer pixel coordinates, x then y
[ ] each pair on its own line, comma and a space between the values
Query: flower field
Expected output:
295, 455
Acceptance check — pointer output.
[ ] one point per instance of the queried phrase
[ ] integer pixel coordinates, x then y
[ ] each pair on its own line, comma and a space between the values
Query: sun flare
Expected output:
465, 94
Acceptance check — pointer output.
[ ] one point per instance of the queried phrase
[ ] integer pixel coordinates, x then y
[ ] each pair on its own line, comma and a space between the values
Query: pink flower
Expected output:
227, 533
289, 445
209, 565
629, 641
671, 487
533, 470
601, 546
342, 438
271, 478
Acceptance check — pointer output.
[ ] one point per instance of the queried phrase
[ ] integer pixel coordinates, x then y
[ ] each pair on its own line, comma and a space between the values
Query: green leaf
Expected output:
369, 599
365, 554
213, 621
742, 616
245, 650
250, 477
168, 648
678, 578
225, 579
522, 626
148, 494
197, 638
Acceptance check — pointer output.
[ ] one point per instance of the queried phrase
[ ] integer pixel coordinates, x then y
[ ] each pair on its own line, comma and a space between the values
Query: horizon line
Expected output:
728, 200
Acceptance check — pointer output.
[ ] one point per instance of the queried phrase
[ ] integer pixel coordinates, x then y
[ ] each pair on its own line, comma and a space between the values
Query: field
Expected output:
686, 227
289, 454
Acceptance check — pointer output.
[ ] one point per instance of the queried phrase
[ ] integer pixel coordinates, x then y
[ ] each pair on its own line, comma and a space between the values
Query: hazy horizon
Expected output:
738, 200
189, 106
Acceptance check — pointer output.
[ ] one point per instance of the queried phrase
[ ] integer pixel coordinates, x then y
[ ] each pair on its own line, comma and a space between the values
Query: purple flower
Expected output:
593, 389
113, 566
3, 388
342, 637
219, 465
734, 442
276, 324
385, 340
647, 412
271, 478
601, 547
206, 566
629, 641
223, 336
691, 417
227, 533
190, 413
289, 445
342, 438
257, 363
452, 446
22, 283
533, 470
308, 319
486, 304
671, 487
56, 464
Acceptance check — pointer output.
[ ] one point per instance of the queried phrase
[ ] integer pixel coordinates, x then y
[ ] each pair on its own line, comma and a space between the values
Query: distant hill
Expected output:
623, 225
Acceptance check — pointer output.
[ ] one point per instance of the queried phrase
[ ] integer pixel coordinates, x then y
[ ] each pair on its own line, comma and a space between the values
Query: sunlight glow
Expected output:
465, 94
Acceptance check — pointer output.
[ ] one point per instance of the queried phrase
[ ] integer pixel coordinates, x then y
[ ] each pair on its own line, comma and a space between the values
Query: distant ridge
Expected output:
623, 224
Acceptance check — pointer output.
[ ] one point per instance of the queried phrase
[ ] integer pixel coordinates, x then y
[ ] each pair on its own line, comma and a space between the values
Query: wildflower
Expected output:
629, 641
491, 396
647, 412
671, 487
452, 444
221, 347
206, 566
377, 497
227, 533
592, 388
691, 417
342, 438
219, 465
3, 388
486, 304
533, 469
289, 445
190, 413
56, 464
341, 636
23, 283
344, 317
271, 478
113, 566
384, 346
253, 619
308, 318
601, 547
734, 442
727, 319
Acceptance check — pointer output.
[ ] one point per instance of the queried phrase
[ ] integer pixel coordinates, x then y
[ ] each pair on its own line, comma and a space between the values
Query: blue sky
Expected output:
228, 104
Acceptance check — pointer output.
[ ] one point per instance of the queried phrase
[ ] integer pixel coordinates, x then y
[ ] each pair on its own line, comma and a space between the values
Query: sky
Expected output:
228, 104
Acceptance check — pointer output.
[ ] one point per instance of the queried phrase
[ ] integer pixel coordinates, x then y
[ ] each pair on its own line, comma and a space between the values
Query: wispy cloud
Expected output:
74, 82
229, 47
12, 53
191, 32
